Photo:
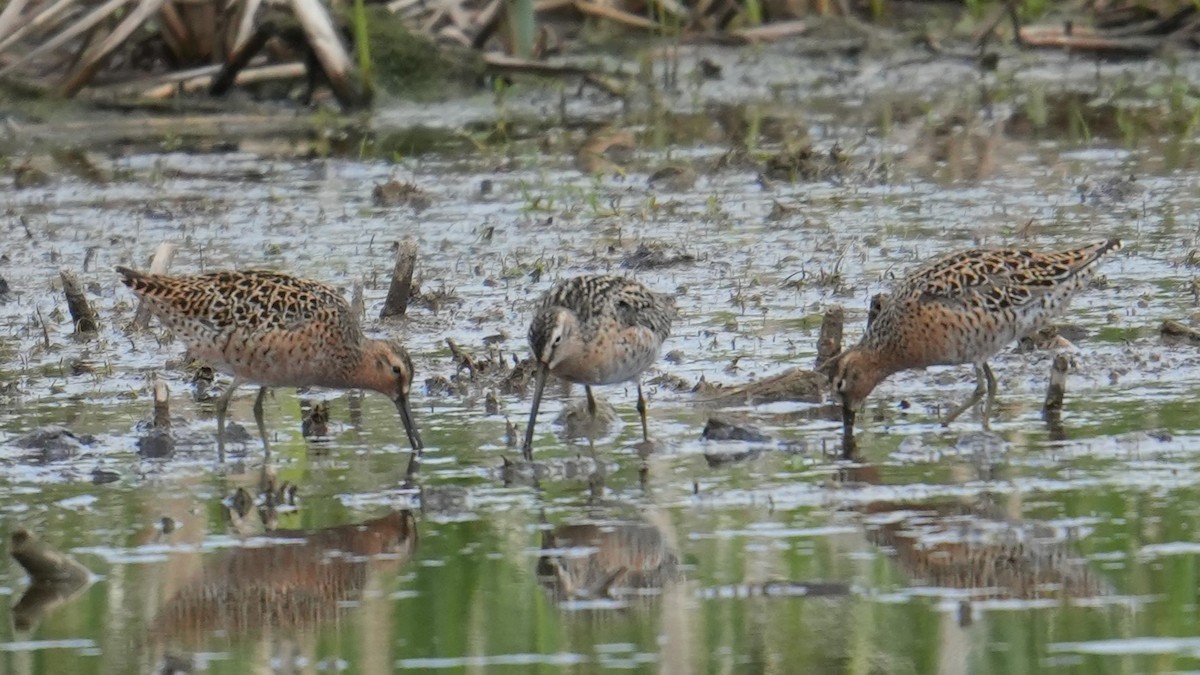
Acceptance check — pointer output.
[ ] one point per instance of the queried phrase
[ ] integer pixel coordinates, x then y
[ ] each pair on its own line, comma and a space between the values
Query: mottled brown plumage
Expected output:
594, 330
276, 330
961, 308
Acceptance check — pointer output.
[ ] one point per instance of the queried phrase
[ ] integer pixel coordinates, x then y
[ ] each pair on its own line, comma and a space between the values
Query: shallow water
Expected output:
942, 550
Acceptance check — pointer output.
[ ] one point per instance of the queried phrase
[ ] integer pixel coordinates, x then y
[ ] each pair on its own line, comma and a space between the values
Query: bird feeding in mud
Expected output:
595, 330
961, 308
277, 330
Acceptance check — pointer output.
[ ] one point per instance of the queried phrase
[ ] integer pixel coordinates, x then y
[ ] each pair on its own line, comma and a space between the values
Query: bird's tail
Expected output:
140, 282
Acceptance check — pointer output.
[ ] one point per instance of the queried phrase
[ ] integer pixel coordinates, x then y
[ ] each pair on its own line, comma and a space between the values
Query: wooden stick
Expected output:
159, 265
401, 288
829, 341
83, 315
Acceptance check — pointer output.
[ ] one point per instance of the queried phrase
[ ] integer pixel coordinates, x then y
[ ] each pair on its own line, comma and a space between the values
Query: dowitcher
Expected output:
277, 330
595, 330
961, 308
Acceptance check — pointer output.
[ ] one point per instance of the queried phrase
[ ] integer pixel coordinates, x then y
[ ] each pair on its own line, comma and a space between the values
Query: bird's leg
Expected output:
641, 408
982, 375
222, 408
991, 394
591, 401
258, 419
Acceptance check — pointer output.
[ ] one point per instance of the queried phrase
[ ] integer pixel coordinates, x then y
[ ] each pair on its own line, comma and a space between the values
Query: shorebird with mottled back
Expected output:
277, 330
595, 330
961, 308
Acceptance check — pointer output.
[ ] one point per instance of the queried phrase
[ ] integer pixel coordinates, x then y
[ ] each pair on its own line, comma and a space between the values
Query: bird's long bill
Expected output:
410, 428
848, 445
538, 385
848, 415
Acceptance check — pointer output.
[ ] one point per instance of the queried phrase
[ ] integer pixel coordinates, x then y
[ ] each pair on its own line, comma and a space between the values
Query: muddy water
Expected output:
943, 550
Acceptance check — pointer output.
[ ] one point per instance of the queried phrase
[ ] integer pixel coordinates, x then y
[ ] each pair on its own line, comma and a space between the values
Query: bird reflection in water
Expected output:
605, 560
300, 579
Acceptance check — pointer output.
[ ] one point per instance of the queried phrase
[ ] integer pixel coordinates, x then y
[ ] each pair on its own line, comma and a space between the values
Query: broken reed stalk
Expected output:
159, 265
331, 53
83, 315
829, 341
357, 304
41, 562
401, 289
162, 405
1058, 386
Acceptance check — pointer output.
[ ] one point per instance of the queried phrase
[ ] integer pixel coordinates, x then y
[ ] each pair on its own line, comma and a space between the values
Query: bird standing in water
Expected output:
961, 308
595, 330
277, 330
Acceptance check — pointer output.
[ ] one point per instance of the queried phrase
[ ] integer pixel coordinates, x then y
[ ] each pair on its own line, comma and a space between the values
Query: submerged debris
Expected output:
1058, 386
655, 255
673, 178
399, 193
1173, 331
54, 443
55, 578
1111, 190
1051, 338
717, 429
158, 444
83, 315
795, 384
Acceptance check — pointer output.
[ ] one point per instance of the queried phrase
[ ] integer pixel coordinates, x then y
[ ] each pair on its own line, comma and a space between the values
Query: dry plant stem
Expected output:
614, 14
1058, 385
173, 85
41, 562
76, 29
510, 65
328, 48
10, 16
829, 341
95, 58
45, 330
43, 20
159, 265
83, 315
401, 288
